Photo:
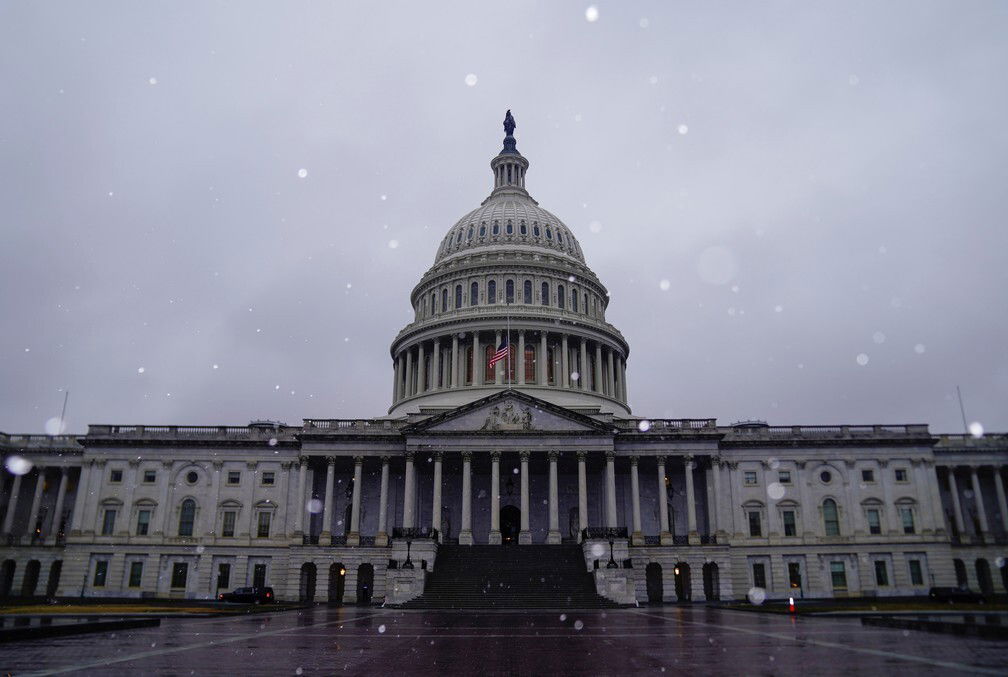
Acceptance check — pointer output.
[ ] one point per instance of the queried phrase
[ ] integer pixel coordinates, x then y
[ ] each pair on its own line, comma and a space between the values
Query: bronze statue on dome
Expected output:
509, 123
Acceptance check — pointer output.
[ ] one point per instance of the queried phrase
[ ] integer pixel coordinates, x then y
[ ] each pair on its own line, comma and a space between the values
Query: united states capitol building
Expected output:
537, 452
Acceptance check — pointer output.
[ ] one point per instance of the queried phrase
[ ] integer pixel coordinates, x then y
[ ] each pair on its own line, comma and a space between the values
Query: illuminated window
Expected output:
794, 574
530, 364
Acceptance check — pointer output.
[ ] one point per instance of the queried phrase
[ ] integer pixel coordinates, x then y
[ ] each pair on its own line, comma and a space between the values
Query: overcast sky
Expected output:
799, 210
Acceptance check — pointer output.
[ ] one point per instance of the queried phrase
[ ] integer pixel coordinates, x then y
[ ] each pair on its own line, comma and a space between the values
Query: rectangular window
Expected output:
229, 524
881, 574
115, 475
750, 478
874, 522
150, 476
108, 522
901, 475
867, 475
100, 573
268, 479
264, 524
754, 523
789, 523
179, 573
784, 477
259, 576
234, 477
838, 574
136, 574
223, 575
758, 575
916, 572
906, 515
794, 574
143, 522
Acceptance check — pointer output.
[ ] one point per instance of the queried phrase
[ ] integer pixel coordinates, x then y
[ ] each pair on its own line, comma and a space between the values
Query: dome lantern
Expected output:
509, 166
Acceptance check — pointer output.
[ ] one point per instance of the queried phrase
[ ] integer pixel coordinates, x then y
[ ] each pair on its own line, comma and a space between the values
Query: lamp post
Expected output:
408, 564
612, 561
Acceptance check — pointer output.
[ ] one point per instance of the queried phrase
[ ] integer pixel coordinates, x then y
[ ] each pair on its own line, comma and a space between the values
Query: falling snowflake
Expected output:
303, 173
664, 285
862, 359
591, 13
471, 80
976, 429
682, 129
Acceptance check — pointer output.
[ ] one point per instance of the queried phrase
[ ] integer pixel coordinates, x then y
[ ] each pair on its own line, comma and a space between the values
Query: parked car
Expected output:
961, 594
248, 596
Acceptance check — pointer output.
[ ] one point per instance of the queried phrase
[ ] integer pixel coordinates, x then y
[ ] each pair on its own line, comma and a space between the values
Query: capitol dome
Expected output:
509, 279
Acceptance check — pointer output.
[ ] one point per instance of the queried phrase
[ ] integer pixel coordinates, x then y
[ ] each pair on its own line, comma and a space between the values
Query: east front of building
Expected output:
509, 427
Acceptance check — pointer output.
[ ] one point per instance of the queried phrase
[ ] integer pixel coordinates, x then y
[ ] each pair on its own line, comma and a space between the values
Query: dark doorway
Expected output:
510, 524
306, 590
655, 588
337, 582
682, 582
31, 576
960, 572
711, 582
7, 577
983, 577
365, 584
54, 576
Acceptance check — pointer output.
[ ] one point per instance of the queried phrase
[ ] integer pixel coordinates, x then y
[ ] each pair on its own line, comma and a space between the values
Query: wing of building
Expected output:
485, 472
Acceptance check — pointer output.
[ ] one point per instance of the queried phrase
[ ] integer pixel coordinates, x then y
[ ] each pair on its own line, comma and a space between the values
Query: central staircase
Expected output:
510, 577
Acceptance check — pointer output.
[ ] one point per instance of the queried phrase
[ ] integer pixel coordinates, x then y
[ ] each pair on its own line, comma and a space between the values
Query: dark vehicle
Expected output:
248, 596
955, 595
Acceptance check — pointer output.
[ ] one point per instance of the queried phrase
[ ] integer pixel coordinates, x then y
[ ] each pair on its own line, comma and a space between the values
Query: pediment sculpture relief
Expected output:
508, 418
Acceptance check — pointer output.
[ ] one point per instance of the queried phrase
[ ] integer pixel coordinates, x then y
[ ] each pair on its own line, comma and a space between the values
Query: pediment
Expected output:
510, 412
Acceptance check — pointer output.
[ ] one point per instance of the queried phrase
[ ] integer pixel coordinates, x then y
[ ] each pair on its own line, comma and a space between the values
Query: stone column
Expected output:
610, 486
77, 516
977, 498
664, 536
582, 494
408, 388
933, 487
553, 536
597, 373
495, 534
409, 498
565, 361
956, 505
690, 501
302, 502
353, 537
521, 358
12, 504
58, 512
499, 365
435, 376
465, 535
623, 379
381, 539
583, 366
477, 361
327, 512
421, 365
543, 357
455, 361
36, 501
524, 536
716, 524
637, 536
436, 499
611, 374
396, 378
1002, 504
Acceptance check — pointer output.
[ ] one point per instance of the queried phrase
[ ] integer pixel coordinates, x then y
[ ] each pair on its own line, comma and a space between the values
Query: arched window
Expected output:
458, 237
535, 230
433, 301
187, 517
509, 291
549, 233
458, 296
527, 287
545, 294
492, 291
574, 297
560, 297
586, 303
530, 364
474, 294
510, 228
496, 228
560, 237
444, 300
469, 235
489, 375
482, 230
524, 228
831, 520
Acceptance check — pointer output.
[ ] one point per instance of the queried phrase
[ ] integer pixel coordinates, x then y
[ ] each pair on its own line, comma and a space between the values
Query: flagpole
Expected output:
507, 311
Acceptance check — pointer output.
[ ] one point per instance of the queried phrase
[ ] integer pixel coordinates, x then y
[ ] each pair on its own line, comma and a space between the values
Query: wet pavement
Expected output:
654, 640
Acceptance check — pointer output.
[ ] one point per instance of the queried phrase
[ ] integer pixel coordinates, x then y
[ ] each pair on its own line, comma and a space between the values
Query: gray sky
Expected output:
812, 183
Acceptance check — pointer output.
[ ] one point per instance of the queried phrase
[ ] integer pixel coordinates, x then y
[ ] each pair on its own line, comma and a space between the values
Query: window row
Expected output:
232, 477
830, 518
750, 478
187, 520
545, 233
578, 301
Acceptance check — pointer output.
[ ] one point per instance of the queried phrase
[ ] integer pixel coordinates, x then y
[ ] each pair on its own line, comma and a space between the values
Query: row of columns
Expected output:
957, 510
447, 368
8, 523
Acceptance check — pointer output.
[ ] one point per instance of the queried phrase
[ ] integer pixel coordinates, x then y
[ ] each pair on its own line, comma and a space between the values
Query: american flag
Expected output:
501, 353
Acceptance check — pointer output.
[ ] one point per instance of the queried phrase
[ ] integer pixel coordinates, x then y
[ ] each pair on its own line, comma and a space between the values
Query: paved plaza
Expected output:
670, 640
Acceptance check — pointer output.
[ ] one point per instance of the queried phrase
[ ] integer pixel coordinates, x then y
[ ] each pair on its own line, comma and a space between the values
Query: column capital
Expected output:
251, 465
64, 470
553, 455
495, 455
218, 464
284, 465
687, 459
523, 455
581, 456
358, 460
385, 459
467, 456
302, 460
716, 461
634, 460
409, 456
133, 462
438, 456
610, 456
330, 460
660, 459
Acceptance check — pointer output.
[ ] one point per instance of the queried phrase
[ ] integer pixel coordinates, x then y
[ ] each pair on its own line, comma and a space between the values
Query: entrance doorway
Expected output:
655, 589
365, 584
682, 582
711, 582
337, 583
306, 589
31, 577
510, 524
54, 577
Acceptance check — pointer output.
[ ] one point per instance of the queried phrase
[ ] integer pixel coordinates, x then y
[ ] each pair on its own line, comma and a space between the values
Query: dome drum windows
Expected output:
482, 230
509, 291
510, 228
474, 294
492, 291
545, 297
496, 228
458, 296
523, 229
469, 235
444, 300
561, 297
527, 289
549, 234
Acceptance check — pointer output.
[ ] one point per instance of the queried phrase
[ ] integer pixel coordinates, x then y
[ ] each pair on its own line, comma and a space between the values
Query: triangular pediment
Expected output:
510, 411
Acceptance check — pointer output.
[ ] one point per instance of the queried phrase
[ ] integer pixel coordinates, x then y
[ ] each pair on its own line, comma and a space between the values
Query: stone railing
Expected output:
962, 442
228, 432
604, 532
658, 425
40, 442
743, 432
350, 425
415, 533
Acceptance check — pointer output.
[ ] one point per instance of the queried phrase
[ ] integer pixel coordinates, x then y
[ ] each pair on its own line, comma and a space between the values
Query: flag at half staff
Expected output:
502, 352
